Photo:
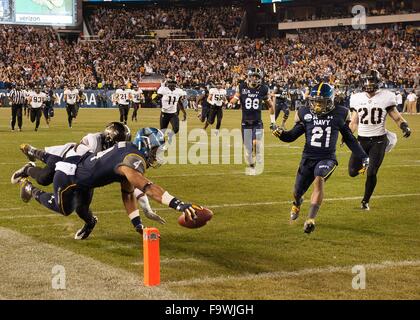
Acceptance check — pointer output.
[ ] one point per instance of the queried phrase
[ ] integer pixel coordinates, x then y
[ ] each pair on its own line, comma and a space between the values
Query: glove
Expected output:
229, 105
139, 228
188, 210
277, 132
405, 129
154, 216
273, 126
365, 165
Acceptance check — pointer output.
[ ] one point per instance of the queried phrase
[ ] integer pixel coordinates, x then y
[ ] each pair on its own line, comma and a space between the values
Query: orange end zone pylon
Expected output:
151, 256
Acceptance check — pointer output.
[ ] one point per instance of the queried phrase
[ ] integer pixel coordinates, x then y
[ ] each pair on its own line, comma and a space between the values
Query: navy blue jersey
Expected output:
321, 133
100, 169
252, 101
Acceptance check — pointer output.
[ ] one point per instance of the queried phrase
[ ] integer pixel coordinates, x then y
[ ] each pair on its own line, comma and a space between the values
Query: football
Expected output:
203, 216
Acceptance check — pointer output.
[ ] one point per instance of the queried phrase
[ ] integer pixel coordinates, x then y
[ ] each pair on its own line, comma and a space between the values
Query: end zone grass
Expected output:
249, 250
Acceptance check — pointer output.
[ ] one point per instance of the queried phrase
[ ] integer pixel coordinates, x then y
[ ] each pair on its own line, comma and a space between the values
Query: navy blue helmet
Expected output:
321, 98
151, 142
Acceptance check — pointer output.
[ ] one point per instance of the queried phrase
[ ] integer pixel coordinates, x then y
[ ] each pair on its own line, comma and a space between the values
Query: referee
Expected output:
17, 97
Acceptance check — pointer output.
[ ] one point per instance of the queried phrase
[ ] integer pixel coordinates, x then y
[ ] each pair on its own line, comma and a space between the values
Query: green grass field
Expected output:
248, 251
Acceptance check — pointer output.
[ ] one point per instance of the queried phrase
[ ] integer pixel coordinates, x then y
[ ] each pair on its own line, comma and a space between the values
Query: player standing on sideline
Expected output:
49, 106
216, 100
18, 99
70, 98
370, 109
171, 101
281, 101
320, 122
137, 99
122, 98
252, 93
203, 103
126, 163
36, 100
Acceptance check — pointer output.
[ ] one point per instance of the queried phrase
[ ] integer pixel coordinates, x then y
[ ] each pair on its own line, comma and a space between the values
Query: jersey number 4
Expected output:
317, 134
375, 115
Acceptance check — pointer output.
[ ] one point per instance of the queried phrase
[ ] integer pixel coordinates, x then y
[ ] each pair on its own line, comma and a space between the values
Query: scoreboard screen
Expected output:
39, 12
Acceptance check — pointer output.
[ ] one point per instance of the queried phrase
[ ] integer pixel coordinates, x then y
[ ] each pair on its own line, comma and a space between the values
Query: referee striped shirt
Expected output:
17, 96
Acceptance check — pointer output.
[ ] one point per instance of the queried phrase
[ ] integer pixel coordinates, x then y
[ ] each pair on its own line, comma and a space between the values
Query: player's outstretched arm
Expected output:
354, 121
154, 191
400, 121
130, 204
290, 135
351, 142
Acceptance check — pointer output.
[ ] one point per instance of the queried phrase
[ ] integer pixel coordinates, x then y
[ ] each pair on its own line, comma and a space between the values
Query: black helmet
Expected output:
254, 77
371, 80
171, 83
115, 132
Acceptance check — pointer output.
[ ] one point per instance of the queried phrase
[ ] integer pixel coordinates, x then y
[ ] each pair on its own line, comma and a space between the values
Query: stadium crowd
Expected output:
38, 55
214, 22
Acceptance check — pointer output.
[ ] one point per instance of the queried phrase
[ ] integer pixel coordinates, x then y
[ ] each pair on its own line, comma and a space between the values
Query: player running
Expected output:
71, 96
202, 103
369, 110
49, 106
137, 99
320, 122
126, 162
36, 101
216, 100
281, 101
122, 98
252, 93
171, 99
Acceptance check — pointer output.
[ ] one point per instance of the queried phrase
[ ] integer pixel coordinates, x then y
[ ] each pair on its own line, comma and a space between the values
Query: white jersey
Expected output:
137, 95
170, 98
37, 99
218, 96
92, 142
71, 96
372, 111
123, 96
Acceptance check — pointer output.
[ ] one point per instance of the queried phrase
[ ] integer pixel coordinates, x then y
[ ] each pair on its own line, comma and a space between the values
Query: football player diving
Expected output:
126, 162
321, 122
92, 142
252, 93
369, 110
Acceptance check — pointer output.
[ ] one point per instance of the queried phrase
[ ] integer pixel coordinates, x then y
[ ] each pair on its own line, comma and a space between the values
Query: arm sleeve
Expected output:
351, 142
293, 134
134, 161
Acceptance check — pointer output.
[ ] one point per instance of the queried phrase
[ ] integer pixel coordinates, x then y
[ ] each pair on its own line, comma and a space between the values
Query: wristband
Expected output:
167, 198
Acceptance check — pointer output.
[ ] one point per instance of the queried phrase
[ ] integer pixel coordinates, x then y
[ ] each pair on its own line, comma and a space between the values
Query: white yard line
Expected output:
226, 205
27, 274
299, 273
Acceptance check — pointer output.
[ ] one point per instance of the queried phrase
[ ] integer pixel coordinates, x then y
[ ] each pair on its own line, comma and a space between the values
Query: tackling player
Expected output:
320, 122
369, 110
126, 163
171, 100
71, 96
216, 100
252, 93
36, 101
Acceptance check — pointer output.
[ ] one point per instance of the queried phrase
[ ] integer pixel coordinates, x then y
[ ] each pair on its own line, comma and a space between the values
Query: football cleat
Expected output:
20, 174
250, 171
364, 206
28, 151
309, 226
87, 229
25, 190
294, 212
